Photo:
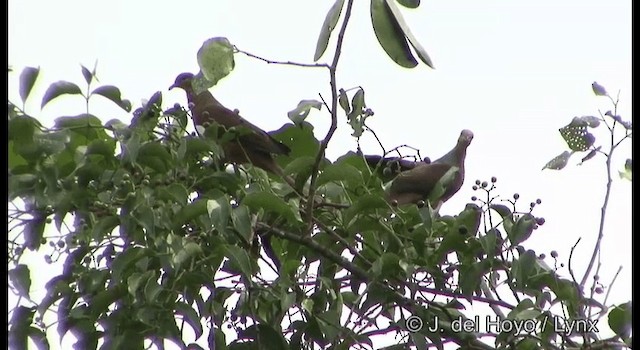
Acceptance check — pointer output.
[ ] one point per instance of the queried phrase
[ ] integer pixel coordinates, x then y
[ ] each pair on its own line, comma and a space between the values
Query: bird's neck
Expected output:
454, 156
203, 98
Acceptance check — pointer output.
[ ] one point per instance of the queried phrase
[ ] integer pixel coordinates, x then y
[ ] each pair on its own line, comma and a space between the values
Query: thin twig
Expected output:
603, 210
288, 63
327, 253
334, 116
573, 276
606, 296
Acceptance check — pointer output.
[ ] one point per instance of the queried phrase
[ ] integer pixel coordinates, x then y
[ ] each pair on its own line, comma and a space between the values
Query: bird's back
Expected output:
208, 109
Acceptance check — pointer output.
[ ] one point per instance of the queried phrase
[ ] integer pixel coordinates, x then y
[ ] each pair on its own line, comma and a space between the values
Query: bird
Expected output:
257, 147
387, 168
417, 184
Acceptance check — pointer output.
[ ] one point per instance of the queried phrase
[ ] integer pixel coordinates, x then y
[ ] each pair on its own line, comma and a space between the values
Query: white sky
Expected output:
511, 71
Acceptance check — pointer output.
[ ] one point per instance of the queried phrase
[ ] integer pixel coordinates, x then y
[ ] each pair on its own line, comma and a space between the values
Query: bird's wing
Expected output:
258, 140
420, 180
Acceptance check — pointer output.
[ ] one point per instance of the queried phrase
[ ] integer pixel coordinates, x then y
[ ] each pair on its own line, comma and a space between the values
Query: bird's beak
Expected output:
172, 86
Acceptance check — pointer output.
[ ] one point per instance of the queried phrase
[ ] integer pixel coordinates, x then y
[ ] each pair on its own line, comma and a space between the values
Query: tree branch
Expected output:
334, 115
288, 63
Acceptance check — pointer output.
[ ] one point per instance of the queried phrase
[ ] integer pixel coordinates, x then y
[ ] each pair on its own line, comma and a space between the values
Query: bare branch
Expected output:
334, 115
288, 63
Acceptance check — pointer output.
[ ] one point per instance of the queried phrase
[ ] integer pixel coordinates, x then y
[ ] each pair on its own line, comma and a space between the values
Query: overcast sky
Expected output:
514, 72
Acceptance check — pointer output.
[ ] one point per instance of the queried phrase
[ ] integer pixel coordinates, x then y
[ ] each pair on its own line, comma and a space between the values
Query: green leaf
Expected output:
27, 80
300, 165
124, 261
152, 289
300, 113
113, 94
565, 290
137, 280
523, 267
301, 136
344, 101
364, 204
443, 183
155, 156
190, 316
52, 142
239, 260
186, 253
242, 222
592, 122
590, 155
22, 128
215, 59
33, 232
522, 229
598, 89
489, 242
21, 184
60, 88
190, 212
21, 319
390, 34
620, 320
626, 173
330, 22
105, 148
145, 217
386, 266
87, 125
270, 203
357, 117
339, 173
21, 279
501, 209
470, 218
412, 4
175, 192
154, 100
422, 53
577, 136
559, 162
265, 334
86, 73
39, 338
358, 101
219, 211
16, 161
104, 226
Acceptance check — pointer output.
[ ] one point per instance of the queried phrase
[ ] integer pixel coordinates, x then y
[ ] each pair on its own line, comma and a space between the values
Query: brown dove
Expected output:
257, 147
417, 184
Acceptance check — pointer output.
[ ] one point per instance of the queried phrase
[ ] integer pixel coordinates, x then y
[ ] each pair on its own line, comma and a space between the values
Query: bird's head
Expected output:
465, 137
183, 81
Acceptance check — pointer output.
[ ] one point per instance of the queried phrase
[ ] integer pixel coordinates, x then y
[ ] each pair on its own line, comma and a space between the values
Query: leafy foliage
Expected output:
580, 140
156, 235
